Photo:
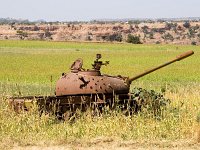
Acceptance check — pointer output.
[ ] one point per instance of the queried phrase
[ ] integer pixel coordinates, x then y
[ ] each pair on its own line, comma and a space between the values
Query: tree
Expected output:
133, 39
169, 26
168, 36
151, 35
22, 34
113, 37
47, 34
193, 43
186, 24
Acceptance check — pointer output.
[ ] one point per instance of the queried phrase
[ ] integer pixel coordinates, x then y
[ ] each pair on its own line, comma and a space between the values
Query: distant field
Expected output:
34, 62
27, 66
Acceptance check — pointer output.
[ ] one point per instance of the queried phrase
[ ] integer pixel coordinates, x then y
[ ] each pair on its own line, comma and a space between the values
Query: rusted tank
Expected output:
81, 88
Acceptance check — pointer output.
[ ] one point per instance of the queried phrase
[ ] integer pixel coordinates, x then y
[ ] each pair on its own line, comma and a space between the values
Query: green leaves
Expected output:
150, 100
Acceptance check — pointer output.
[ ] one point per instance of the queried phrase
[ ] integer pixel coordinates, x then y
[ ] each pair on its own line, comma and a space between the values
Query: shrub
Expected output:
151, 35
193, 43
36, 28
133, 39
159, 30
145, 29
88, 38
158, 42
47, 34
22, 33
169, 26
168, 36
5, 37
191, 32
186, 24
113, 37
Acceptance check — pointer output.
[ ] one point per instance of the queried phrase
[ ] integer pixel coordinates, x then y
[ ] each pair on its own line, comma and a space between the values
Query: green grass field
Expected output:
27, 67
34, 62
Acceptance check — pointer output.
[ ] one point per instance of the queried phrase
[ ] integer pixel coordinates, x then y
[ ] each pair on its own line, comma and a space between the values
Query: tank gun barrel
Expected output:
178, 58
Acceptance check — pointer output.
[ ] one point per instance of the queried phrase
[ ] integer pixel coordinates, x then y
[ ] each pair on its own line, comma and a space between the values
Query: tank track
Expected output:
66, 106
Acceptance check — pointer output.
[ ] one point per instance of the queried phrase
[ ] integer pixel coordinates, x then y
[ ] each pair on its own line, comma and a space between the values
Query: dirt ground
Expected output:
101, 144
149, 33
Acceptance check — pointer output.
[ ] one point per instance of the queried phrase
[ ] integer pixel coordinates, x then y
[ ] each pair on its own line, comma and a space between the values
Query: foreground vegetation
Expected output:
32, 67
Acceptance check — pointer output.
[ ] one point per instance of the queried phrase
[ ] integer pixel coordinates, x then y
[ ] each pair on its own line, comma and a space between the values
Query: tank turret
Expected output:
85, 82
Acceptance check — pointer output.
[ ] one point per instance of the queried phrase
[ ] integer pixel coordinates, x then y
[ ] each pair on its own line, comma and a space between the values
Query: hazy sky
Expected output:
84, 10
